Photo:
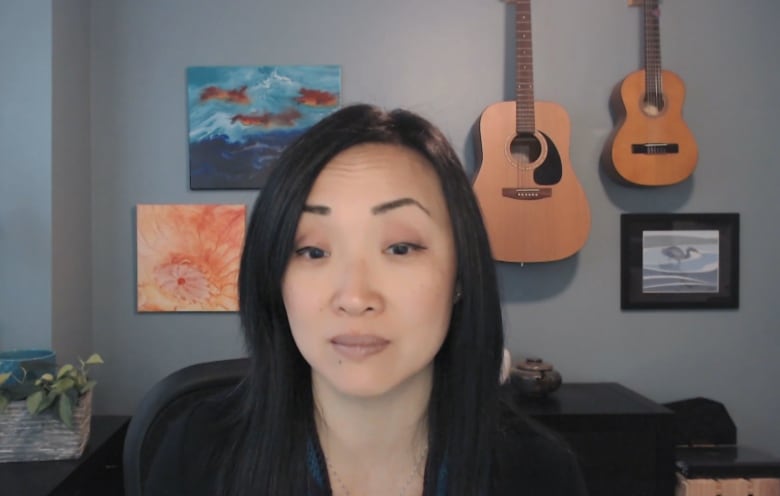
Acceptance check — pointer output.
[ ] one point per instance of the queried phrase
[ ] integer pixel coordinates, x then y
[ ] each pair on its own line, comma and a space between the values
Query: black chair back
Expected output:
163, 404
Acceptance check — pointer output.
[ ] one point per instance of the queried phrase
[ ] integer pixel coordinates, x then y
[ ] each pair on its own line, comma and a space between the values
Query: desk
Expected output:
623, 440
96, 473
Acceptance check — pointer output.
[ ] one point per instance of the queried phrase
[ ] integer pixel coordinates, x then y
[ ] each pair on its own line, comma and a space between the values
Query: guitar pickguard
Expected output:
550, 171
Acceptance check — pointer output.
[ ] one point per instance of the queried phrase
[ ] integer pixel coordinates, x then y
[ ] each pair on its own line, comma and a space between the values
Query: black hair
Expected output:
275, 418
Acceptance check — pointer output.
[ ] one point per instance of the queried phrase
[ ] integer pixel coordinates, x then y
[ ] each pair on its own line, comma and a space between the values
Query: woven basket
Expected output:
25, 437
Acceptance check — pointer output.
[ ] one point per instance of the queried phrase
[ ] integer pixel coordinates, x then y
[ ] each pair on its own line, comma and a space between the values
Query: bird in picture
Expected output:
677, 254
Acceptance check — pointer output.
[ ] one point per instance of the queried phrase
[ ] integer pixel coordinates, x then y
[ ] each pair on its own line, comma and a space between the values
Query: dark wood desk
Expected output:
622, 439
98, 472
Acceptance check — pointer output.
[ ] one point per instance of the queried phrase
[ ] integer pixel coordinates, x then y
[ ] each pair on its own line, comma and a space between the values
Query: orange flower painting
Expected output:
188, 257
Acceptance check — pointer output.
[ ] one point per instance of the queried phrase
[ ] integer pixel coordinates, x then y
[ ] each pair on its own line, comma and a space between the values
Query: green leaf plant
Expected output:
49, 391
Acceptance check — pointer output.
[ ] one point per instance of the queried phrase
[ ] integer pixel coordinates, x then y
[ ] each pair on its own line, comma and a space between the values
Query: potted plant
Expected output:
46, 416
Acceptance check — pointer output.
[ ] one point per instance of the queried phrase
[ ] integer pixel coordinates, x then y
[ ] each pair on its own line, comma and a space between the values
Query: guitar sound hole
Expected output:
653, 104
525, 149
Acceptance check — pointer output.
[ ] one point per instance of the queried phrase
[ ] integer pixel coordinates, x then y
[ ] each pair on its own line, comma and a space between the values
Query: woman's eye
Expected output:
403, 248
311, 252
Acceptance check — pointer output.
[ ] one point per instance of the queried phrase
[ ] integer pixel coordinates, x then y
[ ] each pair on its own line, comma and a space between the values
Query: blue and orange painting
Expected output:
242, 117
680, 261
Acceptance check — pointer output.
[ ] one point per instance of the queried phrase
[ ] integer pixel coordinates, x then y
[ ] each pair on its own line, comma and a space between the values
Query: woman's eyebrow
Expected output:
317, 209
378, 209
401, 202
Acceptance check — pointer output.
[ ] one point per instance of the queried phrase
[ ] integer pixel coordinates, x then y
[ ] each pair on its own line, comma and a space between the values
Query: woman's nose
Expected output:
356, 292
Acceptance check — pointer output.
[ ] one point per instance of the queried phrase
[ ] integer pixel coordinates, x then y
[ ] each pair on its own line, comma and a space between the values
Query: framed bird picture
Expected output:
678, 261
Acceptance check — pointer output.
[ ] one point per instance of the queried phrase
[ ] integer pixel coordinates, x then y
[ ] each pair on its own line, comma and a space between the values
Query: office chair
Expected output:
162, 405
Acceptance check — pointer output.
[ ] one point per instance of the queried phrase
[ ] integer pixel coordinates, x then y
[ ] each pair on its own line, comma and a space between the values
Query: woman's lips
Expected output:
358, 346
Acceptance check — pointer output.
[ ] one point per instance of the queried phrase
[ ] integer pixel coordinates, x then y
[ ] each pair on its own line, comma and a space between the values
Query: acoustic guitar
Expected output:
534, 208
651, 145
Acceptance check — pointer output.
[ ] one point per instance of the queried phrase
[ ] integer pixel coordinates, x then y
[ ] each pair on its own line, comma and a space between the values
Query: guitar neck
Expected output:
524, 71
652, 32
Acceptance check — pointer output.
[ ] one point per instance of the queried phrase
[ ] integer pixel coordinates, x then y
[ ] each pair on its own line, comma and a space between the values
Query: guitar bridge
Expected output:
655, 148
527, 193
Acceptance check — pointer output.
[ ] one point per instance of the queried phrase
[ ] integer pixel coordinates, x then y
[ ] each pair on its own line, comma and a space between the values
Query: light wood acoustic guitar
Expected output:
534, 208
651, 144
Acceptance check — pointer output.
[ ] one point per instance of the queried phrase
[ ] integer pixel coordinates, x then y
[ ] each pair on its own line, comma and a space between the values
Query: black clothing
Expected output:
531, 461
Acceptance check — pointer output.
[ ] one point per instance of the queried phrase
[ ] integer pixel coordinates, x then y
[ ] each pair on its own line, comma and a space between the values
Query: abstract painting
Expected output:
242, 117
188, 257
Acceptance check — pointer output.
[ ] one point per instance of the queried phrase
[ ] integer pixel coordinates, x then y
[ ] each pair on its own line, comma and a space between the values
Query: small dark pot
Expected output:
535, 377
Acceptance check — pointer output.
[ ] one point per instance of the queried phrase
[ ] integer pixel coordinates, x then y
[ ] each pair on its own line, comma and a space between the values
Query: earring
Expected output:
458, 294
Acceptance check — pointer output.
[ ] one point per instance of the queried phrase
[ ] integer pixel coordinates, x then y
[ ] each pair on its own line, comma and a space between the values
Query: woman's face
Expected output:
369, 287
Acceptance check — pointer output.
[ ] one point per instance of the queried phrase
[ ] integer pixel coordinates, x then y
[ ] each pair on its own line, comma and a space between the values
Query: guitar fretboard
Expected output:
524, 72
653, 88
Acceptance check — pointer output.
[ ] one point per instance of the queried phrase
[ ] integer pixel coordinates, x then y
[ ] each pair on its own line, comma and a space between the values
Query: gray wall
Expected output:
448, 60
45, 194
71, 330
25, 174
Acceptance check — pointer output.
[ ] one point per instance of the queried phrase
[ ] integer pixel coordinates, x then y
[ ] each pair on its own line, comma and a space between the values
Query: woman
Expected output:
370, 307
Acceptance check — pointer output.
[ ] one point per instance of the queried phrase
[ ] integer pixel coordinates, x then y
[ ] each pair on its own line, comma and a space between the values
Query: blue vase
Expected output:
26, 366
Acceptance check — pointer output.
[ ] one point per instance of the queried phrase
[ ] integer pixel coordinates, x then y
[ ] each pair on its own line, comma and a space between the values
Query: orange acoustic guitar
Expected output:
651, 145
534, 208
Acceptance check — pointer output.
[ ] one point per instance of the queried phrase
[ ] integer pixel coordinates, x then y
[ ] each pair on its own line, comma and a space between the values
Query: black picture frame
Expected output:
677, 261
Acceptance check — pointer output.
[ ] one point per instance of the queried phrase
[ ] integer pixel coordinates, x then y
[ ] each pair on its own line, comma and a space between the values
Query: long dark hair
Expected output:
274, 423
